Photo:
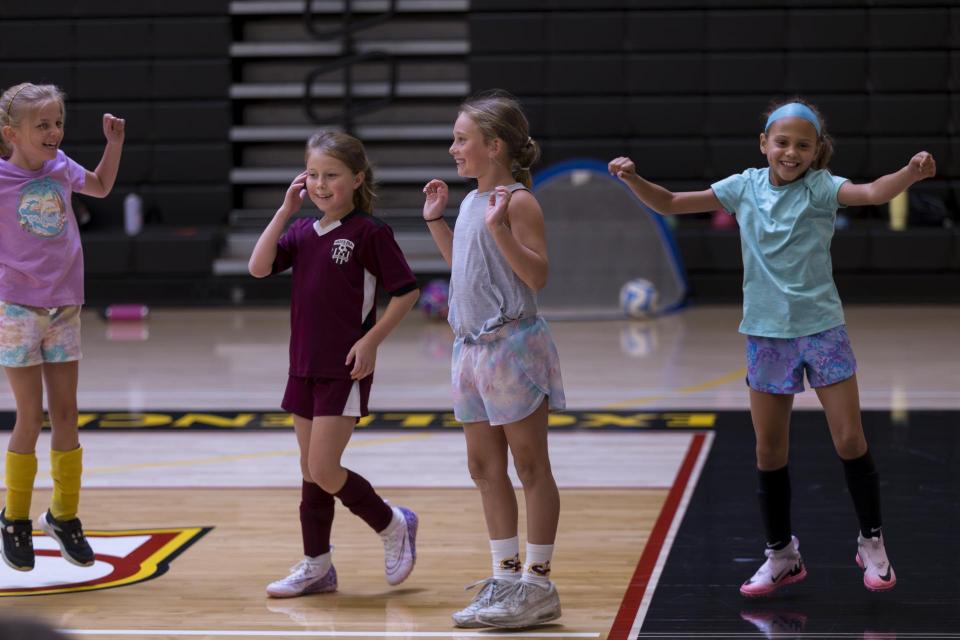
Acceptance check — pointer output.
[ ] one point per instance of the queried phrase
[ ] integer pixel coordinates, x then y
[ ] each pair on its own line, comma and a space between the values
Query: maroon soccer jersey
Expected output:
335, 275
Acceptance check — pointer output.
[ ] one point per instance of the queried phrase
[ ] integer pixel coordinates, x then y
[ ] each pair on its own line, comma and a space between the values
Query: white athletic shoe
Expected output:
307, 576
400, 545
492, 591
524, 605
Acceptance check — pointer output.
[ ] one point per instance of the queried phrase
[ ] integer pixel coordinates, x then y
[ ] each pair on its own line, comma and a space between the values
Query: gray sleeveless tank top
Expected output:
485, 293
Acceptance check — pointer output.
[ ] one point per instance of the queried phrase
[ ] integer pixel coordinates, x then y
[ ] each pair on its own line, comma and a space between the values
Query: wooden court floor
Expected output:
218, 582
613, 486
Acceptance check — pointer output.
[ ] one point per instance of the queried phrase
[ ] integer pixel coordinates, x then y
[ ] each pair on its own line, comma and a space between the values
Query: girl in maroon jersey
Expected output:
338, 260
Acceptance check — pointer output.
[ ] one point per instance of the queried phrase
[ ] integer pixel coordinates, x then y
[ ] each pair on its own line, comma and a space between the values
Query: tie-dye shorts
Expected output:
34, 335
776, 365
504, 377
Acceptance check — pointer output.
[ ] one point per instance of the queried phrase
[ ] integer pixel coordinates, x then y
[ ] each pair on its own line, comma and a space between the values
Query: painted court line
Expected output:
899, 635
242, 633
640, 590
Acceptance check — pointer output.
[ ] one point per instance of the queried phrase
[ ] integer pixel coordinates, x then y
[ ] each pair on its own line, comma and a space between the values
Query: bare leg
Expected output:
61, 382
27, 386
841, 404
771, 423
329, 436
528, 444
487, 462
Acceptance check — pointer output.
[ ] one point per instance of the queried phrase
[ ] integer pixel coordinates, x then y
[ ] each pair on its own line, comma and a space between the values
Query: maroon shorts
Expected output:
309, 397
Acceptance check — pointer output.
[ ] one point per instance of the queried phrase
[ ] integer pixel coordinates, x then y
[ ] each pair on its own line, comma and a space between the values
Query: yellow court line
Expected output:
243, 456
693, 388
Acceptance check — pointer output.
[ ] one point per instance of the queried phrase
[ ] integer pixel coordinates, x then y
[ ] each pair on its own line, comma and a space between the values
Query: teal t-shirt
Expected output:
785, 234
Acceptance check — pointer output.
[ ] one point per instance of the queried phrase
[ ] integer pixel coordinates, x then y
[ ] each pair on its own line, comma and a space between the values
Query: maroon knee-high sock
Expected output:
316, 519
358, 496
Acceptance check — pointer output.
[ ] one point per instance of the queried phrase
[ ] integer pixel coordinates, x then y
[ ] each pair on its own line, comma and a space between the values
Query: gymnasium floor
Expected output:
192, 480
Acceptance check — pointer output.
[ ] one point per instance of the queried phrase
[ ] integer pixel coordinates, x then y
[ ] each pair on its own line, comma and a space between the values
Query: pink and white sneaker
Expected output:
878, 575
783, 567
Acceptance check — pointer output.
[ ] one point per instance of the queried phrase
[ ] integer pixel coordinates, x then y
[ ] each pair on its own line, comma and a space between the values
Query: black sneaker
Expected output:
17, 543
69, 535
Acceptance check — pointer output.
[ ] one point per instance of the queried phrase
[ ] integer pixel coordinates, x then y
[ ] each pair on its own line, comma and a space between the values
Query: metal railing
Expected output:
353, 105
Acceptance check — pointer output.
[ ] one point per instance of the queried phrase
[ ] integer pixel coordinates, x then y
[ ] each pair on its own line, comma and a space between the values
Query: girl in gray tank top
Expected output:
505, 369
485, 292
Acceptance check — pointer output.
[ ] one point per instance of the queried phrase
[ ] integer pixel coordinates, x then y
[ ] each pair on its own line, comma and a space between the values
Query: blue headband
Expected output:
794, 110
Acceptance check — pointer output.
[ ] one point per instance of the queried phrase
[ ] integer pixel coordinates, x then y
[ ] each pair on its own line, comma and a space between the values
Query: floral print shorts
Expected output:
504, 377
776, 365
34, 335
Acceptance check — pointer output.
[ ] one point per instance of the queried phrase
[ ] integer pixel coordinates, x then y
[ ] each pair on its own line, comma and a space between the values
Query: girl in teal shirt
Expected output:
793, 318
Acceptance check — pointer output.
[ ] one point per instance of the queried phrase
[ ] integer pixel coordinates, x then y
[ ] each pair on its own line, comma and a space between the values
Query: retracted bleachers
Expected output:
163, 65
680, 87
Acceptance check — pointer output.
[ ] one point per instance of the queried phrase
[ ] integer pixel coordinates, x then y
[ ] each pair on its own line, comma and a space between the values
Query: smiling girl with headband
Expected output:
793, 318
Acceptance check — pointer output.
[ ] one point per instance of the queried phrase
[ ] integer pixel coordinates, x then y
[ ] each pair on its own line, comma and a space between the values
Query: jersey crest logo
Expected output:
341, 250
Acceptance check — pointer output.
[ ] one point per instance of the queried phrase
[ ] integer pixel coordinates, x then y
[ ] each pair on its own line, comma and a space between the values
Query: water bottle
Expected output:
132, 214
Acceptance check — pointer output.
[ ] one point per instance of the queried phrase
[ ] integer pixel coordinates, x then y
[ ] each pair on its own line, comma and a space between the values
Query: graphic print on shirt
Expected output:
42, 209
341, 250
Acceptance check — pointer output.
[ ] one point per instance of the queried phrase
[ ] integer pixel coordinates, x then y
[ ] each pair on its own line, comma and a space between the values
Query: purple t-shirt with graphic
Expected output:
336, 270
41, 261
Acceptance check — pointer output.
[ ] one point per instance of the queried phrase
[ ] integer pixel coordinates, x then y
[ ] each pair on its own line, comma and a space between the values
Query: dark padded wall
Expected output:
680, 85
164, 66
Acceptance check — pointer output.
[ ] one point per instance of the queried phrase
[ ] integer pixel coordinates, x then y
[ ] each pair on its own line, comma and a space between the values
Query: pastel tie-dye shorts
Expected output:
34, 335
504, 378
776, 365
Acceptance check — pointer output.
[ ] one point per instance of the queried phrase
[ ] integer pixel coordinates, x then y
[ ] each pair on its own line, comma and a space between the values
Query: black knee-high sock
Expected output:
316, 519
864, 485
773, 491
358, 496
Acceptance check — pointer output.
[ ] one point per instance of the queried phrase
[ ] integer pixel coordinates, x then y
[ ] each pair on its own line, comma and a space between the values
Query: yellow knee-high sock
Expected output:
20, 473
65, 468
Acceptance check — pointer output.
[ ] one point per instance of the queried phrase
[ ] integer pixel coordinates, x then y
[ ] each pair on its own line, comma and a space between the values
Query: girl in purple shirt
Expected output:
41, 291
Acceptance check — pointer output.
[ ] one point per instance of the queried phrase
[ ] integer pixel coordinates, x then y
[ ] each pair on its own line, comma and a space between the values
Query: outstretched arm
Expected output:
883, 189
261, 260
516, 223
435, 202
659, 199
99, 182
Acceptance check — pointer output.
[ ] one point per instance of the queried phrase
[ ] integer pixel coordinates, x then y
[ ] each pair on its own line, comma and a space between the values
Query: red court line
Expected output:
641, 575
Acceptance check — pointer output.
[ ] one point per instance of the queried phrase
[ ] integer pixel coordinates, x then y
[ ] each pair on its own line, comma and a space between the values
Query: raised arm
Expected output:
99, 182
883, 189
516, 223
437, 194
261, 260
659, 199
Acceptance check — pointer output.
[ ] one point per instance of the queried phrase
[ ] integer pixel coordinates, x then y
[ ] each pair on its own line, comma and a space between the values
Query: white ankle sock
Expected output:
506, 558
537, 566
324, 560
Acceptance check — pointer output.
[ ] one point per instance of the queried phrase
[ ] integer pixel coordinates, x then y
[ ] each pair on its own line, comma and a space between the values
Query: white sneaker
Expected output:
878, 575
783, 567
492, 591
524, 605
400, 545
307, 576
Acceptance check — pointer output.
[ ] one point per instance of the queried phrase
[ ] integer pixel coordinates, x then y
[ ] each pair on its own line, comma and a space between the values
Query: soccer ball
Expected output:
638, 298
434, 299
